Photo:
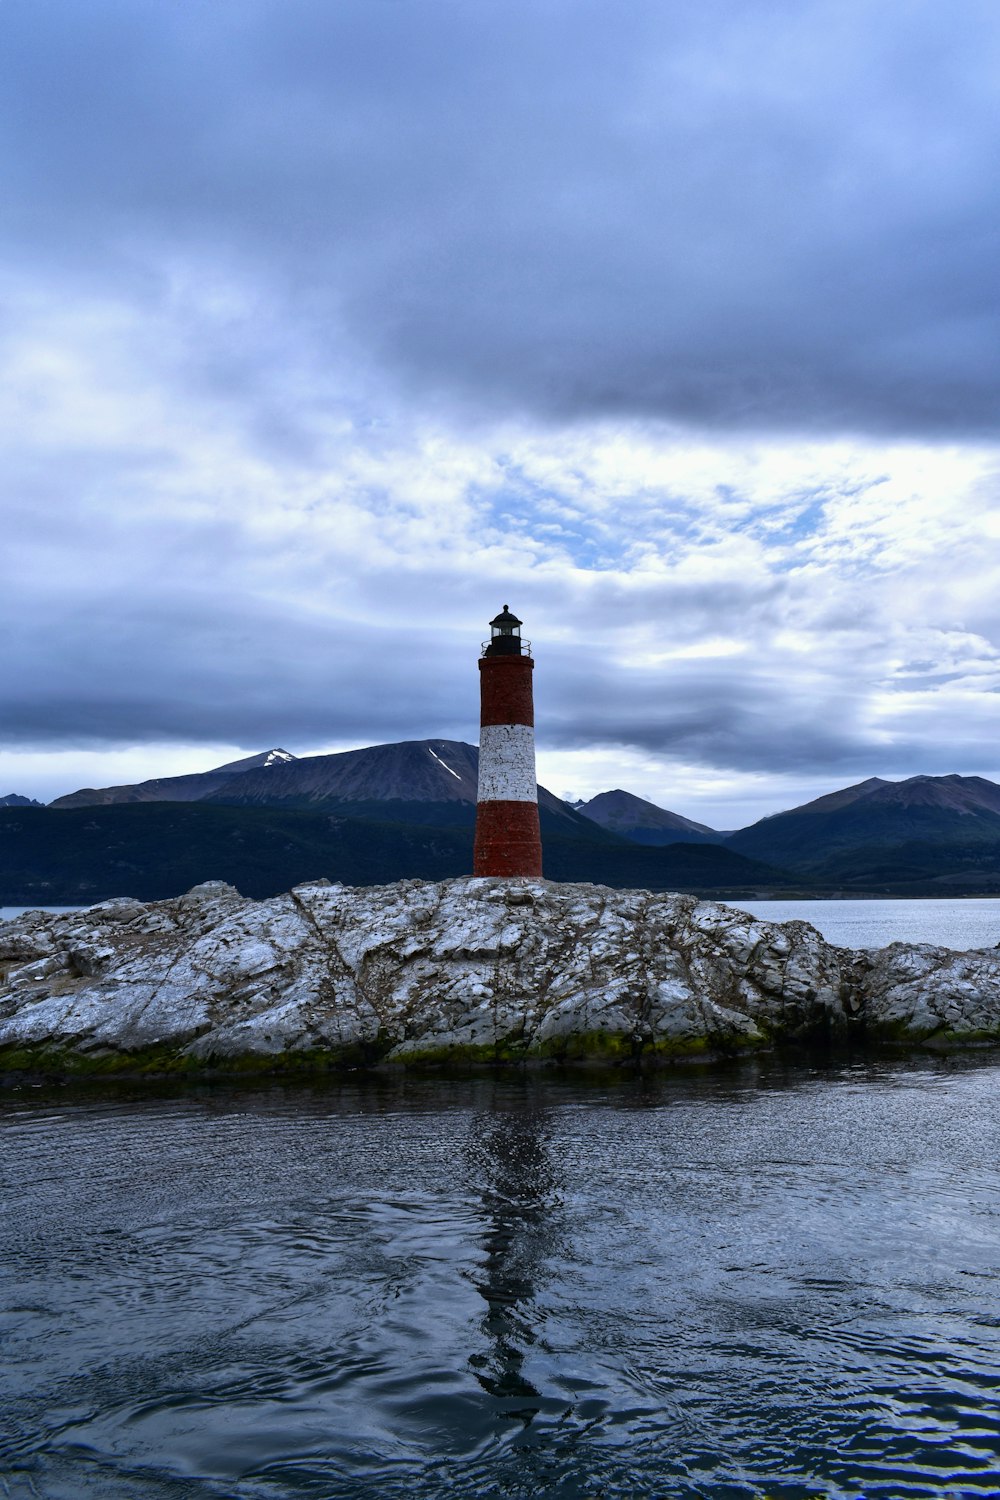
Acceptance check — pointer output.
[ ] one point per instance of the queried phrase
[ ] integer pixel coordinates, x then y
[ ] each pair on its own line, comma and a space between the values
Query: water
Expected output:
950, 922
764, 1283
8, 913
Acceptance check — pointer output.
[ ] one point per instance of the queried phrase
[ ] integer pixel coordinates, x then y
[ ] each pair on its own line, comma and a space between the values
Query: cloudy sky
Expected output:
329, 326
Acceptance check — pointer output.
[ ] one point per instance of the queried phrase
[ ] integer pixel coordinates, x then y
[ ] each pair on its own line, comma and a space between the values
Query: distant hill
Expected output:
643, 822
157, 849
886, 834
417, 770
391, 781
914, 867
189, 788
14, 799
833, 801
410, 771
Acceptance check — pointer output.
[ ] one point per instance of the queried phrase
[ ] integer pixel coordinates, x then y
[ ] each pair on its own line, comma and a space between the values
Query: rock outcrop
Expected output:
464, 970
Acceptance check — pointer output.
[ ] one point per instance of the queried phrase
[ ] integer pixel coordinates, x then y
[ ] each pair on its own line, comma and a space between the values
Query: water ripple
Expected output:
776, 1285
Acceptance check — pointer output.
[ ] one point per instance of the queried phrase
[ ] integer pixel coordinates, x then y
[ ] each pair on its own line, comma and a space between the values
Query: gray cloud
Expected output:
784, 216
207, 663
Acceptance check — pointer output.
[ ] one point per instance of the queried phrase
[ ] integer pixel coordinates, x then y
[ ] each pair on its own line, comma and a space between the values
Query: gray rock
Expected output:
473, 968
920, 992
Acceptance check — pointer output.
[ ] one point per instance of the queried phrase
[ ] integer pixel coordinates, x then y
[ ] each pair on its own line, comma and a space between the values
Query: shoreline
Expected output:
25, 1066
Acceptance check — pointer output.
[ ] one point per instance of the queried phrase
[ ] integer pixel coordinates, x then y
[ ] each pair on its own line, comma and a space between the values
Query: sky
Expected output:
330, 326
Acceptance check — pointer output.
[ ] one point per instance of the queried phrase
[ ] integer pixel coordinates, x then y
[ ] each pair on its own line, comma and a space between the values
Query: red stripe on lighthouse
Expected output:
505, 690
508, 838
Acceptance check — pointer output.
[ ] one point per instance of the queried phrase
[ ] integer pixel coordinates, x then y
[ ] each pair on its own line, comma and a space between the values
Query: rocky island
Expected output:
462, 971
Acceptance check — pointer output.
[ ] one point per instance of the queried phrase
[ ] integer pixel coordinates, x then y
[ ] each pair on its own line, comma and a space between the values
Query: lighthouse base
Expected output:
508, 839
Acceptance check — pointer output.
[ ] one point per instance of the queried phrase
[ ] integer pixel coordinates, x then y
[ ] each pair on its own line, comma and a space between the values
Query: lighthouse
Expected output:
508, 839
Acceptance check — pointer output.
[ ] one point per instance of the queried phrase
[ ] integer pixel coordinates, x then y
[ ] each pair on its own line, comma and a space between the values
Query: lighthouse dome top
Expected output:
505, 620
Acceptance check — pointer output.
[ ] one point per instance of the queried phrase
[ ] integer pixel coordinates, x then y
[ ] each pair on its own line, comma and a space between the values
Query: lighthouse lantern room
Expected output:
505, 636
508, 839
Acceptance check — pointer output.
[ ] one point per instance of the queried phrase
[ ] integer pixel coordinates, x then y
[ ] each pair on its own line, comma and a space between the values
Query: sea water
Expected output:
950, 922
8, 913
756, 1283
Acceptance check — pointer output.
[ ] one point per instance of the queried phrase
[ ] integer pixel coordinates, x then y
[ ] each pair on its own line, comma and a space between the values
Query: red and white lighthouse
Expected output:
508, 839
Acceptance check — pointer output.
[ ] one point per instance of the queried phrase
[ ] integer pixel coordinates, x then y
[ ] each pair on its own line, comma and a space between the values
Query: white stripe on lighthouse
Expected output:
507, 763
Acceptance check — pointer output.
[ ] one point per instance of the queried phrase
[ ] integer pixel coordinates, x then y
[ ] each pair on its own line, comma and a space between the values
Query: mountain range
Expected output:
408, 809
927, 831
362, 816
425, 771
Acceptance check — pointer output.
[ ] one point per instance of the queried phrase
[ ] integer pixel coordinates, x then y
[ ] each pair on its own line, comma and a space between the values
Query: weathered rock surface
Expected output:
465, 969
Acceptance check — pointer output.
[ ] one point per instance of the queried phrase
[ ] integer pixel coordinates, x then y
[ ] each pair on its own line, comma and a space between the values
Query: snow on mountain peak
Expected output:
447, 768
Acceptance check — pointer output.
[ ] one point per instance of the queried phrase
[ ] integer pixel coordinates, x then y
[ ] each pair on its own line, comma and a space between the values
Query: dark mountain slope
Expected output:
153, 850
411, 771
878, 816
832, 801
14, 799
914, 867
392, 776
158, 849
643, 822
461, 815
702, 869
176, 788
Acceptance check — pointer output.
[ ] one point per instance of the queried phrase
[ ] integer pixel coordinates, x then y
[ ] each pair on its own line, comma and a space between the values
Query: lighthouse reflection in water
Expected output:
520, 1204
